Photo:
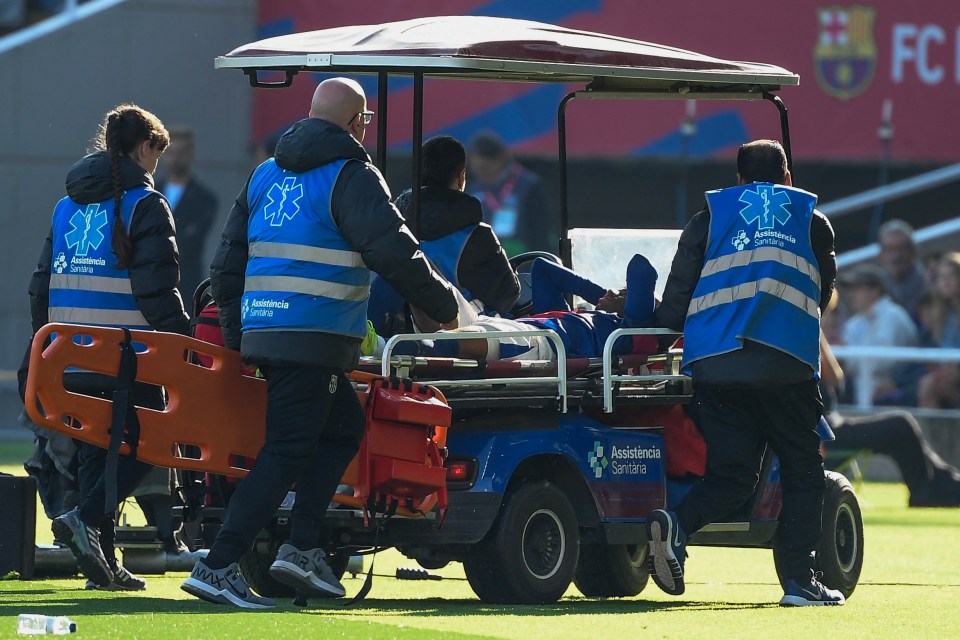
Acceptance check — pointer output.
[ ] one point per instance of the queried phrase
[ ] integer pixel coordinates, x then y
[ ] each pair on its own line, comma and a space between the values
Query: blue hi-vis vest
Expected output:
760, 279
445, 254
86, 287
301, 275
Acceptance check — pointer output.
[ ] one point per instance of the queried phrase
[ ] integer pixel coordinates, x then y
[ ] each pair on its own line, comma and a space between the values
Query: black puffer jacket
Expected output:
361, 207
154, 269
756, 365
484, 268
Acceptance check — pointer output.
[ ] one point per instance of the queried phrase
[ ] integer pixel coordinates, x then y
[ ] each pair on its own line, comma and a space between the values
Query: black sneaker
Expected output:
306, 571
123, 580
223, 586
811, 594
668, 550
84, 541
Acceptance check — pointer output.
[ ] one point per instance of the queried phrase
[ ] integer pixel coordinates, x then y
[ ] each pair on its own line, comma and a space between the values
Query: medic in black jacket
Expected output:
110, 259
452, 233
752, 274
292, 277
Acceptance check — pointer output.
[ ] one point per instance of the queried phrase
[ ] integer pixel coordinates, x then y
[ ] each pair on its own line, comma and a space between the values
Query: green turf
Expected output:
909, 588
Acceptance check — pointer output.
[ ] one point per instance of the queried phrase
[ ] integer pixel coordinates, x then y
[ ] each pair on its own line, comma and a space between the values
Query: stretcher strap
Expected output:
123, 419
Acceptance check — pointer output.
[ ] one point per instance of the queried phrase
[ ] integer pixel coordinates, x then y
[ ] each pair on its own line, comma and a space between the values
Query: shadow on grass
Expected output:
440, 607
103, 604
66, 603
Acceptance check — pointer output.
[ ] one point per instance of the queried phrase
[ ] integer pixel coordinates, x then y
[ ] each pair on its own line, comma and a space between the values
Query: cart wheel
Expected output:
530, 554
431, 564
255, 567
612, 570
338, 561
840, 550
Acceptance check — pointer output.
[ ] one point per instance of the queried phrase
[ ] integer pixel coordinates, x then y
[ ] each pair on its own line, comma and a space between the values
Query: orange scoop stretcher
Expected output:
215, 415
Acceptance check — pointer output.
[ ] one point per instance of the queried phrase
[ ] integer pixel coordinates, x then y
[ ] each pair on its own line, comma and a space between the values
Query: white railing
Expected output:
898, 189
609, 379
868, 357
560, 379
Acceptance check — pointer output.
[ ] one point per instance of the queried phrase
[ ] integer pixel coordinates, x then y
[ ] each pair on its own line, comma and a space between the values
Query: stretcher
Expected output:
214, 418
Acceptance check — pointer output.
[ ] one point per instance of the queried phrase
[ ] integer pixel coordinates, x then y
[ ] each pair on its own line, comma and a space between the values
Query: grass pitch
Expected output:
909, 587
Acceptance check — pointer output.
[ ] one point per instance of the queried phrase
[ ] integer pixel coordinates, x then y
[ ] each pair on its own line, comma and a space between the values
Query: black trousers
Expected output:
931, 481
92, 459
737, 425
314, 427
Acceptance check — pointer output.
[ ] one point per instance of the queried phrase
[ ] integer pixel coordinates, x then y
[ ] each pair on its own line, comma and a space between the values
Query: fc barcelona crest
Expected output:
845, 57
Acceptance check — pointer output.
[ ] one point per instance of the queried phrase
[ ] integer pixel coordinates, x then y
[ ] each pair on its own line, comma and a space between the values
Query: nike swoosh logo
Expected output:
676, 537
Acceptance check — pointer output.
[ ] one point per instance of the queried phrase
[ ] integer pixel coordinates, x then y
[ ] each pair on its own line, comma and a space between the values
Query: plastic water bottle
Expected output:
30, 624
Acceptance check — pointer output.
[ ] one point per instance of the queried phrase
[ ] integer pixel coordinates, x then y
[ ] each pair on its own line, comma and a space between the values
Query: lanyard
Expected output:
495, 203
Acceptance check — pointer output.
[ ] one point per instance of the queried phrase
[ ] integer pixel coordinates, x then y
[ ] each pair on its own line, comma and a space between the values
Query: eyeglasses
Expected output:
367, 117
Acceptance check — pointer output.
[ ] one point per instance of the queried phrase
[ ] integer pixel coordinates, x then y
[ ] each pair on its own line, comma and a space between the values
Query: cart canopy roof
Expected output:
505, 49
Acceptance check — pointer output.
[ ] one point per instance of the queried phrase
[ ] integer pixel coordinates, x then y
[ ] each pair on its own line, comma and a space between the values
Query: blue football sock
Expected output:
640, 302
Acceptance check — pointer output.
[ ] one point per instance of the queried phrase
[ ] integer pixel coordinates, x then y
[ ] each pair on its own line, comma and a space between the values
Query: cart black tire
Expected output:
840, 550
612, 570
530, 554
255, 567
338, 561
431, 564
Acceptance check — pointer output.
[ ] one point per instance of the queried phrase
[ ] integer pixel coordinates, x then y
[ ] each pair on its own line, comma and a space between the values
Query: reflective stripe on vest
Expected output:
86, 287
302, 274
760, 280
445, 253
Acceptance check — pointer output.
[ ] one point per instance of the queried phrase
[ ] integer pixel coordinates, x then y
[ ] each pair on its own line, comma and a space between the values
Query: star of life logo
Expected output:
283, 201
597, 460
740, 240
766, 205
87, 231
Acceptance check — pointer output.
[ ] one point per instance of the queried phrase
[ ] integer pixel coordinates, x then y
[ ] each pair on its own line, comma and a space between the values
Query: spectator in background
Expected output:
263, 149
906, 376
903, 277
513, 200
452, 233
931, 263
940, 388
877, 321
13, 15
194, 208
931, 481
